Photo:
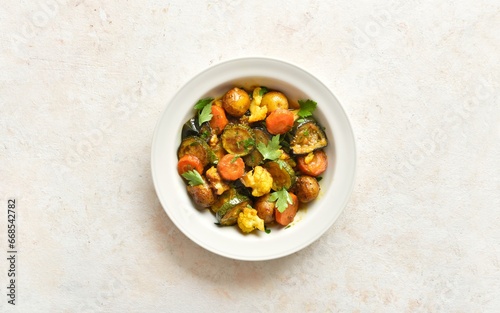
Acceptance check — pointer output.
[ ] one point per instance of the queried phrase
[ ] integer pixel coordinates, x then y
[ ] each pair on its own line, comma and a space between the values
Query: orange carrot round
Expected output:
279, 121
219, 119
316, 166
189, 162
286, 217
231, 167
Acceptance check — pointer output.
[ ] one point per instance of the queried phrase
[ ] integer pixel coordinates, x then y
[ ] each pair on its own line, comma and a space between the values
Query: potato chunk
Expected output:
236, 102
274, 100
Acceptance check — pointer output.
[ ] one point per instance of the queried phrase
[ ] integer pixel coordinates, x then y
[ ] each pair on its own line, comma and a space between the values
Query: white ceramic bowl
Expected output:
311, 223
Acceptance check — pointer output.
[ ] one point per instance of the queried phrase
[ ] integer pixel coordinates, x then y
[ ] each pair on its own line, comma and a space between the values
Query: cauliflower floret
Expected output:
248, 220
215, 181
284, 156
308, 159
213, 140
259, 179
258, 112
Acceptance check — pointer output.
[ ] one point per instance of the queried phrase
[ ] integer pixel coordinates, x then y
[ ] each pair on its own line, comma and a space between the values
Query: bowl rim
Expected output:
351, 134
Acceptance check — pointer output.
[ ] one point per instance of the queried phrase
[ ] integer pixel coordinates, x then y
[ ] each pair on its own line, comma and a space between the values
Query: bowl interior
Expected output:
314, 219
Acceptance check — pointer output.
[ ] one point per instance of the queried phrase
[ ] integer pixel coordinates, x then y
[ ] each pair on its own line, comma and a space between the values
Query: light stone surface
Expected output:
83, 83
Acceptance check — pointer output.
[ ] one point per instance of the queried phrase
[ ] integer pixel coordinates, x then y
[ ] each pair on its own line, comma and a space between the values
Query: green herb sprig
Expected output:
271, 151
307, 107
193, 177
204, 107
282, 198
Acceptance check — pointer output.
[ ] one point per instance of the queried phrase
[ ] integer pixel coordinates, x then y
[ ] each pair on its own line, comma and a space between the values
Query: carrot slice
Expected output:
316, 166
279, 121
189, 162
231, 167
219, 119
286, 217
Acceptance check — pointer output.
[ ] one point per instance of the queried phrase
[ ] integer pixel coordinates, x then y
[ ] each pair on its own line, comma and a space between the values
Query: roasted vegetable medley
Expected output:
252, 156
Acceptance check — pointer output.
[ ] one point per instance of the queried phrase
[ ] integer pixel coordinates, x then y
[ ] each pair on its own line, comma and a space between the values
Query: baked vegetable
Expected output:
230, 195
201, 194
282, 174
259, 179
280, 121
228, 206
238, 139
236, 102
308, 137
231, 216
231, 167
313, 164
306, 188
219, 119
286, 217
248, 220
258, 110
189, 162
198, 147
190, 128
215, 181
265, 208
274, 100
255, 158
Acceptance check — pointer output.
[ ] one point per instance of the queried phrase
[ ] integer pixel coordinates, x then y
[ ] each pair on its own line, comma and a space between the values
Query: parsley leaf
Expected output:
205, 115
282, 198
306, 107
248, 142
263, 90
203, 103
271, 151
193, 177
205, 134
204, 107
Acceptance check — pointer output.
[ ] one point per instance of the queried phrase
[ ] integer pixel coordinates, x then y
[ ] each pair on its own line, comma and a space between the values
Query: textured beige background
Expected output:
83, 82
